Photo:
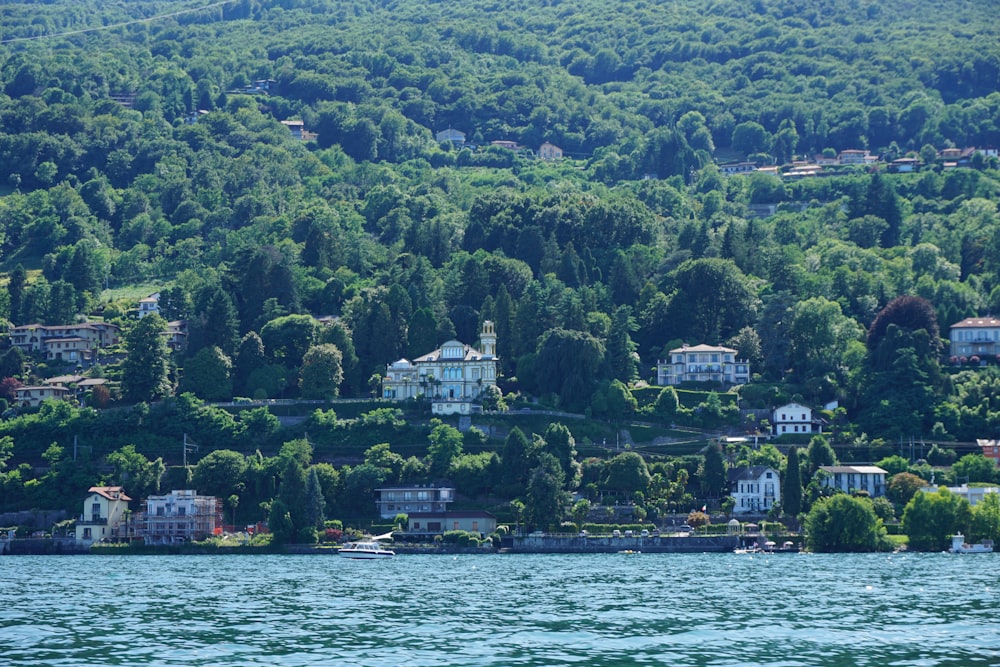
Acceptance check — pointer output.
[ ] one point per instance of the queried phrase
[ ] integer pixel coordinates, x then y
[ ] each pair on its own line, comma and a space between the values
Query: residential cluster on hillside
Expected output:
174, 518
947, 158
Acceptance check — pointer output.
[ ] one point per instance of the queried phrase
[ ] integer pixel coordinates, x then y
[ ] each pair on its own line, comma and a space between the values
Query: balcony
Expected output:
93, 521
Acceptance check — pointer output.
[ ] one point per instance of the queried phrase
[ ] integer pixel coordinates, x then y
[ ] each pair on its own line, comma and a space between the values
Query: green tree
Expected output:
315, 501
791, 485
975, 468
208, 375
545, 499
560, 443
445, 446
844, 523
292, 493
628, 474
621, 349
220, 473
931, 518
321, 372
820, 453
144, 370
902, 486
516, 461
568, 365
288, 338
279, 521
713, 478
132, 469
712, 302
986, 519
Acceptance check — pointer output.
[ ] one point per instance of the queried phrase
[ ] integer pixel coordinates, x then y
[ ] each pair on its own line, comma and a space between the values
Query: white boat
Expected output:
365, 550
960, 546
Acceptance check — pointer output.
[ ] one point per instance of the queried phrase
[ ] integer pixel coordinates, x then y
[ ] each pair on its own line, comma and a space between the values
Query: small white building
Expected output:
855, 478
794, 418
973, 494
755, 489
104, 512
149, 305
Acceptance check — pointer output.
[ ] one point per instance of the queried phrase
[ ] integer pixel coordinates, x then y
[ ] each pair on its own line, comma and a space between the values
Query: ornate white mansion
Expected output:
452, 376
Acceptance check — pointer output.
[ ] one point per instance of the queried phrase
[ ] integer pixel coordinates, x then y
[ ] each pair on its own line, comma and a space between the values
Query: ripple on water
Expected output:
706, 609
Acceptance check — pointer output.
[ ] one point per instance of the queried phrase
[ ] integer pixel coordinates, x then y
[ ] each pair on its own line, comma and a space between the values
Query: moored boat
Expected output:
960, 546
365, 550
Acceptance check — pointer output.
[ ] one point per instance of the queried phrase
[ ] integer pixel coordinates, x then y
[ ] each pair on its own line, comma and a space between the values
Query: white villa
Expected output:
856, 478
975, 336
103, 514
702, 363
453, 376
794, 418
755, 489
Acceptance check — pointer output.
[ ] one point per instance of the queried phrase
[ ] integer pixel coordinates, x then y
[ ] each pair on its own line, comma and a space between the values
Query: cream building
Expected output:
103, 514
452, 376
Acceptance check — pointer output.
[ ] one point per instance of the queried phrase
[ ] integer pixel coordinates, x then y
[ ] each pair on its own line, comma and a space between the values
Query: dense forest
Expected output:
142, 150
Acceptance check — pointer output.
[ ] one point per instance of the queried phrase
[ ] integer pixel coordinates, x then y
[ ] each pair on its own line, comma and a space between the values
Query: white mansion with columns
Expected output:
452, 376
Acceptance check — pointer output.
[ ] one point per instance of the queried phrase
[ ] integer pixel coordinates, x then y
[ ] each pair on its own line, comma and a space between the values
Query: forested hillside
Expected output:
142, 150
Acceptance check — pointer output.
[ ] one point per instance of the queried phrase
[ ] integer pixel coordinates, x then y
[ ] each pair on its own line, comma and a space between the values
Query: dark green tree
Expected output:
545, 498
321, 372
844, 523
560, 443
931, 518
315, 514
208, 375
713, 479
144, 370
791, 485
628, 474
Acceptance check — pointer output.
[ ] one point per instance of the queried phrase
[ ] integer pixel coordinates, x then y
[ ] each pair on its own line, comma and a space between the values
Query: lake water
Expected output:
587, 609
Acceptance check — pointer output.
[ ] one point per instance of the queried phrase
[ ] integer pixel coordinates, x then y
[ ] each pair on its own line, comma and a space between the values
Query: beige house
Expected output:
65, 342
104, 514
436, 523
549, 151
32, 397
452, 376
975, 336
702, 363
180, 516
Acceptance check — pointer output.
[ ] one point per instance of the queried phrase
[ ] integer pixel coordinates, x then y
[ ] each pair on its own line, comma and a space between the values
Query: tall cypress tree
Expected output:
791, 485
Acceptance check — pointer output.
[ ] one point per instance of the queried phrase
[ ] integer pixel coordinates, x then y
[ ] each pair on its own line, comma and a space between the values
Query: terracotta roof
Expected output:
110, 492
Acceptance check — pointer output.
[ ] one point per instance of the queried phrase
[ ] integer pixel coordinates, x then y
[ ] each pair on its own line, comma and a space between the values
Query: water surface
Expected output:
581, 609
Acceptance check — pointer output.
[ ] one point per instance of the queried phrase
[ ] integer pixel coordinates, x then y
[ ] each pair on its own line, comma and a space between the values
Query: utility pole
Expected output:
188, 447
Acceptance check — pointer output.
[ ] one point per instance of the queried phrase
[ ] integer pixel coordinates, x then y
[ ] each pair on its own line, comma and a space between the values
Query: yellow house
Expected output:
103, 514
